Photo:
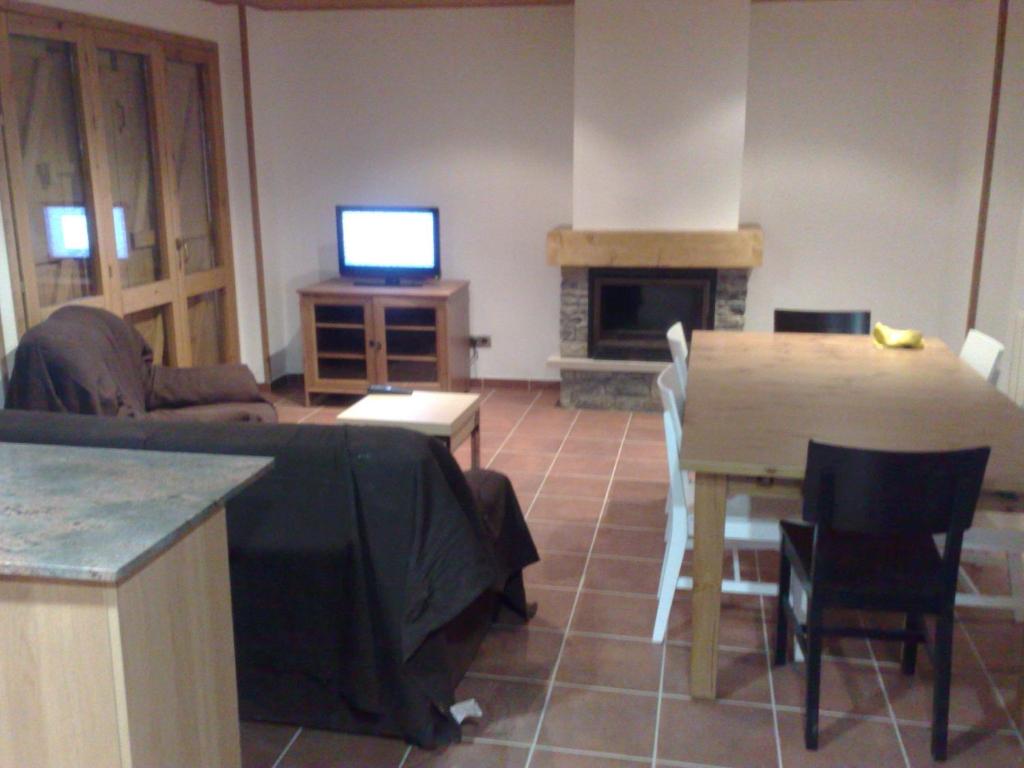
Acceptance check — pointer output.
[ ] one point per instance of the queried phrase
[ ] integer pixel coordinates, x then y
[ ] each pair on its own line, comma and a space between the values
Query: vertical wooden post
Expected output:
254, 191
986, 179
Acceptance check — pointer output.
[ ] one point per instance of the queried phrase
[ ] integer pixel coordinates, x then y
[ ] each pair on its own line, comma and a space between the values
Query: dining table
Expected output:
755, 400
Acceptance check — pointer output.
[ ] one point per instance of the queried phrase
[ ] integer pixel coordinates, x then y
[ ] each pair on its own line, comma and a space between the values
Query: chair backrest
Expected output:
889, 492
893, 494
672, 401
804, 321
983, 354
680, 352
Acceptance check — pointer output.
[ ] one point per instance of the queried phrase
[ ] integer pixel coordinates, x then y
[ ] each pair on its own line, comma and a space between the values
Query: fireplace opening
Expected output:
630, 310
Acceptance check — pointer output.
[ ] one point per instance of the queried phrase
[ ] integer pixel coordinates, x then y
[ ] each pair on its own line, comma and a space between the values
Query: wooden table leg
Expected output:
708, 547
474, 445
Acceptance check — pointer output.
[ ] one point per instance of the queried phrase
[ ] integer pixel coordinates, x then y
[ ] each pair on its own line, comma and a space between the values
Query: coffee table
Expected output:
449, 416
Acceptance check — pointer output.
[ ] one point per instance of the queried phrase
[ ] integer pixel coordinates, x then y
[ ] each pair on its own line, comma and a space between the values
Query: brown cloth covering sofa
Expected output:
88, 361
365, 567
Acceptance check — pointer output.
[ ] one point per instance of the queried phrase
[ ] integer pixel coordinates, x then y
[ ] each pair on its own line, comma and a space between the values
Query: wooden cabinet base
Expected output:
412, 336
136, 674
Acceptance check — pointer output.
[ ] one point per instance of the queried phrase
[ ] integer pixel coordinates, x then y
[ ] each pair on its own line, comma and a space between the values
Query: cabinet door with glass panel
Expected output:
117, 189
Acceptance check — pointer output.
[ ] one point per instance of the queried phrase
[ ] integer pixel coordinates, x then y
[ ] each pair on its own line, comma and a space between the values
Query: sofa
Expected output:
365, 567
86, 360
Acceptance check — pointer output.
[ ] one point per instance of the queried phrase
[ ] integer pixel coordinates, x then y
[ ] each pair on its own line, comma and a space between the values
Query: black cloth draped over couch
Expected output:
89, 361
364, 568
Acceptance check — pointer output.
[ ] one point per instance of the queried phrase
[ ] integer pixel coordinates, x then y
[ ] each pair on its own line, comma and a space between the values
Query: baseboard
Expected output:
527, 385
294, 381
287, 381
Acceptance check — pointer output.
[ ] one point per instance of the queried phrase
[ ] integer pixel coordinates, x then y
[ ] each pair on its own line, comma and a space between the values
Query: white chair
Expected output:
983, 354
680, 352
993, 533
740, 527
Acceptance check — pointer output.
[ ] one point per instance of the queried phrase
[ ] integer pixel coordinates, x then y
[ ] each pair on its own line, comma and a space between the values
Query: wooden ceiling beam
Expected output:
352, 5
343, 5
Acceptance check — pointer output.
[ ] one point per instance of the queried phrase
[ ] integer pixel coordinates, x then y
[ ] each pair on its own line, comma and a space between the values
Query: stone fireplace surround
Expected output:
629, 384
624, 389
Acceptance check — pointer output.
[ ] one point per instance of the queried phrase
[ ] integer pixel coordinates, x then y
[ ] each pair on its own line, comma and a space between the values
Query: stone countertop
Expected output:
102, 514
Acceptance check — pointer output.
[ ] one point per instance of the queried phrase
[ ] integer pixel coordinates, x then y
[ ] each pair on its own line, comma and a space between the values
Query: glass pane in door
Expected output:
206, 328
152, 324
62, 235
125, 93
189, 141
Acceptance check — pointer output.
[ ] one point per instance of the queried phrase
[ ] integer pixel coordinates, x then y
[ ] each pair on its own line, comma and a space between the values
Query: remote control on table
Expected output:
387, 389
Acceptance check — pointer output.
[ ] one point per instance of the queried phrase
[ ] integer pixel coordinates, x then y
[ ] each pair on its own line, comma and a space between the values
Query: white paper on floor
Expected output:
463, 709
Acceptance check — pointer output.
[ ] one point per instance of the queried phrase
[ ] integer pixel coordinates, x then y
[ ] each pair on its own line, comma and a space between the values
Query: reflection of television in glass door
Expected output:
388, 243
67, 232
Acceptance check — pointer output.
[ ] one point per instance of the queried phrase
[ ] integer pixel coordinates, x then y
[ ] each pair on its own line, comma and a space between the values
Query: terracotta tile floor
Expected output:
592, 486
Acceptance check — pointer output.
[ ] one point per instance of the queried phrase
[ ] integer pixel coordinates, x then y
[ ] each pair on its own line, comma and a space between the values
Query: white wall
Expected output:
9, 338
219, 24
1000, 297
660, 102
865, 134
469, 110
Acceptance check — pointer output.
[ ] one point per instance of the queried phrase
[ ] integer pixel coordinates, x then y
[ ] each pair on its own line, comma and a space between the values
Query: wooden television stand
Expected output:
357, 335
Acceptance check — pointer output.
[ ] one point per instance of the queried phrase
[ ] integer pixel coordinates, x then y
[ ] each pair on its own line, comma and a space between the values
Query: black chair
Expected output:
868, 543
802, 321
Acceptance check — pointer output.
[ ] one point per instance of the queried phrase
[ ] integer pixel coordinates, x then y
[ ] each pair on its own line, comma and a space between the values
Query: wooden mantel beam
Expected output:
736, 249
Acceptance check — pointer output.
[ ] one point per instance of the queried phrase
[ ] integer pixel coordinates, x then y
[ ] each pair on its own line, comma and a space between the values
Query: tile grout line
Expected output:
599, 556
512, 431
577, 523
992, 683
547, 474
287, 746
310, 415
768, 659
885, 695
579, 591
594, 753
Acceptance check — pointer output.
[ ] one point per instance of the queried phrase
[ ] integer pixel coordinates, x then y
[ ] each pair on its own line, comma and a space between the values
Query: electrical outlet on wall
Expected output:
480, 342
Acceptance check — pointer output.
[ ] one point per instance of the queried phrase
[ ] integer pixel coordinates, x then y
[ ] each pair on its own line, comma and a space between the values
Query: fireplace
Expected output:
622, 289
629, 309
592, 378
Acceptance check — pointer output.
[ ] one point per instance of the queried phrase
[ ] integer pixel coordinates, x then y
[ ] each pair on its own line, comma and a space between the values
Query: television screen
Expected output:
67, 232
389, 242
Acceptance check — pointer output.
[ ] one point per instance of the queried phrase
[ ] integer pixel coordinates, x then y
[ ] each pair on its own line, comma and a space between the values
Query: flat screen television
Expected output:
389, 243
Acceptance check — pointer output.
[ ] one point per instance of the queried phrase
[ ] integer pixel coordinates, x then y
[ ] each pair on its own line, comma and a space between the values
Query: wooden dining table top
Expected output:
754, 400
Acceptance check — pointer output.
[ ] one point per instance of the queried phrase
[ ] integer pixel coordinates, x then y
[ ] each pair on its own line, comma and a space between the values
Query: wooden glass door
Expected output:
117, 182
55, 187
129, 74
203, 237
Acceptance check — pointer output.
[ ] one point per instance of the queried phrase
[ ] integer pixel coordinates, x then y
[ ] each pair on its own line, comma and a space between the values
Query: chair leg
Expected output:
798, 600
668, 516
813, 694
908, 662
940, 697
675, 548
781, 623
1015, 566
